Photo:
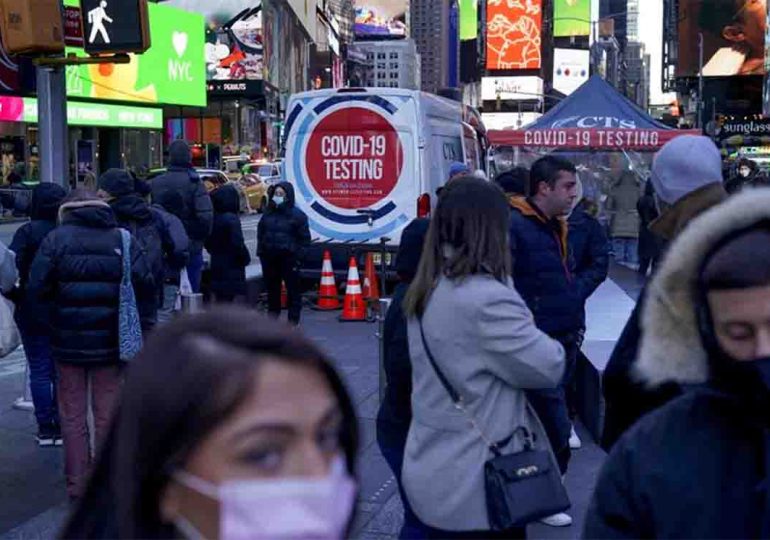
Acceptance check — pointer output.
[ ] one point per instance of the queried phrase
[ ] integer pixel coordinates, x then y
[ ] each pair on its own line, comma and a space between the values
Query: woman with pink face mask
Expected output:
231, 427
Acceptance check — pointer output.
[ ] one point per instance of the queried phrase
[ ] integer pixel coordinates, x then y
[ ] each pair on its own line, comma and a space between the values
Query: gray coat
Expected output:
8, 275
484, 338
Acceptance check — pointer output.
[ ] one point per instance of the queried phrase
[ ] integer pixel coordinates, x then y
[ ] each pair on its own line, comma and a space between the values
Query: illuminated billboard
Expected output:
469, 19
570, 69
380, 18
733, 37
571, 18
514, 34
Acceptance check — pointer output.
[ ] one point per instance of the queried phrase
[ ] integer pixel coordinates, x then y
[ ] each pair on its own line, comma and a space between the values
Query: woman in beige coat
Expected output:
484, 339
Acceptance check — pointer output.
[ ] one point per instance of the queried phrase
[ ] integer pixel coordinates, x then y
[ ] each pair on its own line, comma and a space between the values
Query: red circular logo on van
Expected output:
354, 158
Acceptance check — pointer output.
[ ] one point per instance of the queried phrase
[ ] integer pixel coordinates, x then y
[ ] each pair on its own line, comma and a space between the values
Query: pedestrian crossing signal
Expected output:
32, 27
115, 26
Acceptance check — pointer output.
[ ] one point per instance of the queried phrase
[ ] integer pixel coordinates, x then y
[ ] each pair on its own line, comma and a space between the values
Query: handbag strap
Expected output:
457, 399
125, 238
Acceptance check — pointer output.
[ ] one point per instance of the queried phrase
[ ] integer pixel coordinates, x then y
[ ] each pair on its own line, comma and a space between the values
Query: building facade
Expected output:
637, 74
435, 30
386, 64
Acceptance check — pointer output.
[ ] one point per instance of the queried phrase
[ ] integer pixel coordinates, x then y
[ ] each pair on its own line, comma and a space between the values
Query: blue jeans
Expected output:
626, 250
195, 269
42, 377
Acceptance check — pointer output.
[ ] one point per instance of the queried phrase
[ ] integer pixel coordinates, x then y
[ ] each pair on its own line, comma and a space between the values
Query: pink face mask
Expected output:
301, 509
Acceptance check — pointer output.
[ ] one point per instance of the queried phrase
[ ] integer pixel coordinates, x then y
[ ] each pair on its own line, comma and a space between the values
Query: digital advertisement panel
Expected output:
571, 18
234, 46
172, 71
469, 19
18, 109
570, 69
514, 34
381, 18
733, 37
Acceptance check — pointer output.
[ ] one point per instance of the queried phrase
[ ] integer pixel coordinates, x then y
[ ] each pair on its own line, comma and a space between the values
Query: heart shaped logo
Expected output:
180, 43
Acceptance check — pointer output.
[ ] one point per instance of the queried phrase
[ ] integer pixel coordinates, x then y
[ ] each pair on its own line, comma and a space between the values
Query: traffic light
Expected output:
32, 27
115, 26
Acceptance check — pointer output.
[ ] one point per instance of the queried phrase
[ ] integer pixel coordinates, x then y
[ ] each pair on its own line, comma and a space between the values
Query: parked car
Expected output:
269, 173
256, 191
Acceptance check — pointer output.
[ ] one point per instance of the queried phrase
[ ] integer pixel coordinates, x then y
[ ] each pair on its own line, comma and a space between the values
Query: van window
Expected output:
444, 151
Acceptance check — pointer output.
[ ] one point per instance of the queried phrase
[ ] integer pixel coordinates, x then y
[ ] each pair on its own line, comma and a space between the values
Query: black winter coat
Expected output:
542, 270
284, 230
176, 243
695, 468
133, 214
77, 271
229, 254
590, 251
196, 211
650, 245
44, 211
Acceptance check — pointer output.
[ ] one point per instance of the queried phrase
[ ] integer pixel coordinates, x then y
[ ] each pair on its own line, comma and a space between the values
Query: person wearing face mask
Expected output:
707, 328
748, 174
283, 235
225, 453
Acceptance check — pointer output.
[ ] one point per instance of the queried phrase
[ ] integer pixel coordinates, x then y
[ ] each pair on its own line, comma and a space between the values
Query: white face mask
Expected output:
278, 200
744, 172
282, 509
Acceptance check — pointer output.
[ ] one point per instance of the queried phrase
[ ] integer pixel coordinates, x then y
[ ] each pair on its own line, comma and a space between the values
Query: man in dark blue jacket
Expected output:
44, 211
542, 275
283, 236
197, 213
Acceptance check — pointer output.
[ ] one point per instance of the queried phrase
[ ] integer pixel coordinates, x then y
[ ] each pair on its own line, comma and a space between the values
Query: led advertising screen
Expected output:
571, 18
733, 37
380, 19
514, 34
469, 19
570, 69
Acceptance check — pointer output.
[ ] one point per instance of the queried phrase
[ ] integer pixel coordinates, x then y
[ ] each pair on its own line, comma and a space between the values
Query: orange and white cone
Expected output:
371, 283
327, 292
354, 309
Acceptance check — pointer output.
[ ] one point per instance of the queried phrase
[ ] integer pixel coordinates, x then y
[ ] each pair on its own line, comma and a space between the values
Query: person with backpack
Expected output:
282, 237
116, 187
44, 210
197, 213
229, 254
78, 272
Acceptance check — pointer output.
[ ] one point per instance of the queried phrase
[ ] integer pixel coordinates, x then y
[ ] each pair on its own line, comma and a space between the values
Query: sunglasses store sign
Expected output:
17, 109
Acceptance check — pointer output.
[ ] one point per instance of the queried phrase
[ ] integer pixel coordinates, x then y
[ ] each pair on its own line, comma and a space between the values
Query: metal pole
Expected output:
700, 81
52, 125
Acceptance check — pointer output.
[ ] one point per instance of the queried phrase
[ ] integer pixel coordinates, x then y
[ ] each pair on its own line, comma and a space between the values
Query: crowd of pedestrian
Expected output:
257, 436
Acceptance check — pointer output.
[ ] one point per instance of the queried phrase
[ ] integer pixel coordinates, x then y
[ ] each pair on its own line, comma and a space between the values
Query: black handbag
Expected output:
521, 487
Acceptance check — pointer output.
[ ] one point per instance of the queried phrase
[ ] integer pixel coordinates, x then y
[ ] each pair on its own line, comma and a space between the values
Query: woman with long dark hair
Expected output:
484, 340
231, 426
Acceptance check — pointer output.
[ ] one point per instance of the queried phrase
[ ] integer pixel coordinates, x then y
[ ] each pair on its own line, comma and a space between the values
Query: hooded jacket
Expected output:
542, 269
625, 399
621, 205
196, 211
133, 214
229, 255
44, 210
77, 271
697, 467
283, 230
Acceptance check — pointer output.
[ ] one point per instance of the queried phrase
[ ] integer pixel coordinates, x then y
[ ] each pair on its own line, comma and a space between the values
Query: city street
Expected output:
32, 498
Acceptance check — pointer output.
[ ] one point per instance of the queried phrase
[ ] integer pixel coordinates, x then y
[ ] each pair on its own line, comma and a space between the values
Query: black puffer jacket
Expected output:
133, 214
283, 230
229, 255
197, 213
44, 211
77, 271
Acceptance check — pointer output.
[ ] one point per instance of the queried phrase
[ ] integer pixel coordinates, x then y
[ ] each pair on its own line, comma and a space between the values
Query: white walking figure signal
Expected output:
97, 18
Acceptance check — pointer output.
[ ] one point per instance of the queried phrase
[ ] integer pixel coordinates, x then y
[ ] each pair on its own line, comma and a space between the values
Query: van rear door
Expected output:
353, 160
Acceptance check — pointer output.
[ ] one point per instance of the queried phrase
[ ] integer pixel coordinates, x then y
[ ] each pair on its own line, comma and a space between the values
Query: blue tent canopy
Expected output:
598, 105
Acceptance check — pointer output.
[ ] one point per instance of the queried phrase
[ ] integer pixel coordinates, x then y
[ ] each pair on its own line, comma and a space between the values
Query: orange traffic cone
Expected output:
284, 296
354, 309
327, 292
371, 285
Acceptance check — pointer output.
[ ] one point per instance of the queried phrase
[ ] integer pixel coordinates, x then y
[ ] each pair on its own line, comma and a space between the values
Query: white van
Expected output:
366, 162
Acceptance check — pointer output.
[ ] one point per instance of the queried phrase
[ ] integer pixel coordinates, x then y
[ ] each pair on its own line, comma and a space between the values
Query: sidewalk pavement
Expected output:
32, 497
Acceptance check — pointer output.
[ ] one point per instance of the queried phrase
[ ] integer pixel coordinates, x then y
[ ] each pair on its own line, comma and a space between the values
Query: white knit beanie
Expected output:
685, 164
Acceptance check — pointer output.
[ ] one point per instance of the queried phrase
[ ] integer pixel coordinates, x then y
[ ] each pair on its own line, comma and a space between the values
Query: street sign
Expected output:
115, 26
